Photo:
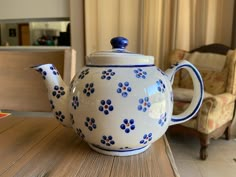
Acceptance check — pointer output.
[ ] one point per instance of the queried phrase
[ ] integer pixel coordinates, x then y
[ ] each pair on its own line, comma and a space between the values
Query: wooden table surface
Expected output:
40, 147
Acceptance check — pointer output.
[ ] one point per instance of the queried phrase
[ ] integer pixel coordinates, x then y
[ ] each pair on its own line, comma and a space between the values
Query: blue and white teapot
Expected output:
120, 102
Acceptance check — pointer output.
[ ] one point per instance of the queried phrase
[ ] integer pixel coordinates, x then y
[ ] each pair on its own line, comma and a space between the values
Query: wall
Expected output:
6, 38
26, 9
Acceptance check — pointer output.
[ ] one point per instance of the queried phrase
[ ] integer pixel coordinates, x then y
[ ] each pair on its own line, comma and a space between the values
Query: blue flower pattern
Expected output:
83, 73
107, 140
144, 104
80, 133
52, 104
59, 116
160, 86
146, 138
43, 73
106, 106
123, 88
75, 102
72, 84
89, 89
107, 74
139, 73
58, 91
90, 123
162, 119
54, 70
127, 125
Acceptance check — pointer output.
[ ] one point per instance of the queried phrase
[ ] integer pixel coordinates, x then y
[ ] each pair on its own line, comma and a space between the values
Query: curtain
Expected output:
233, 126
156, 27
159, 26
105, 19
234, 29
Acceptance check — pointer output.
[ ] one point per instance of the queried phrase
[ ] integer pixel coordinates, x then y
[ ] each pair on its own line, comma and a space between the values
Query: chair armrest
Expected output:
186, 95
231, 82
220, 100
215, 110
175, 57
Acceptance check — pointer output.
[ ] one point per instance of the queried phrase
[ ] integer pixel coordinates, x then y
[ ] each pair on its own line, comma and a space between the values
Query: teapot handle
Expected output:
197, 95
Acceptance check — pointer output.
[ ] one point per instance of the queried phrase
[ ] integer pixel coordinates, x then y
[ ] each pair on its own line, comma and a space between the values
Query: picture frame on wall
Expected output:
12, 32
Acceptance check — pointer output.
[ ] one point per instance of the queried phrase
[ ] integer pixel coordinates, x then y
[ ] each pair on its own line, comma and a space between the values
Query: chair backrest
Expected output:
213, 48
214, 67
21, 88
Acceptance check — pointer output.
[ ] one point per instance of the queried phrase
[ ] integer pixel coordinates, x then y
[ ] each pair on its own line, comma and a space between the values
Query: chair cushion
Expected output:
215, 111
212, 69
182, 98
179, 107
186, 95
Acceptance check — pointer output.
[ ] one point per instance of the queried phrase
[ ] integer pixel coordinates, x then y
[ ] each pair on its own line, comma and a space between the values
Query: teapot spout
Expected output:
58, 92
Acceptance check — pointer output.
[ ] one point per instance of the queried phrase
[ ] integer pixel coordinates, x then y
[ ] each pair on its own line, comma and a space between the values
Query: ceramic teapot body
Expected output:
119, 108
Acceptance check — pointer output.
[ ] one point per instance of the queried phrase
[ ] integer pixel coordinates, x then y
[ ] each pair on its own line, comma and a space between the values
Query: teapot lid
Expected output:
119, 56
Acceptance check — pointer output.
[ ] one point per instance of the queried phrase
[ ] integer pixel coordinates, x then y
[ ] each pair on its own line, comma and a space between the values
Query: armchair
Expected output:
217, 65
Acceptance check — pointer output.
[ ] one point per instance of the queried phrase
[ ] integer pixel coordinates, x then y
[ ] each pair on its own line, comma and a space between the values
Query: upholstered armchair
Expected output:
217, 65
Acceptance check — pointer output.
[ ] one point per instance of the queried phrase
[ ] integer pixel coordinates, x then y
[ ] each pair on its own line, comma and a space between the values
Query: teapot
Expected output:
120, 102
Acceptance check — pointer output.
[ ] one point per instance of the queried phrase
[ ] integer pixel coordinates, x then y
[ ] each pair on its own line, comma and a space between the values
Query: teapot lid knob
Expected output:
119, 42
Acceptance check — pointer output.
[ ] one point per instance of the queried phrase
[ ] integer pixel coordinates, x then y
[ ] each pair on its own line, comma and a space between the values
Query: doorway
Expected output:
24, 34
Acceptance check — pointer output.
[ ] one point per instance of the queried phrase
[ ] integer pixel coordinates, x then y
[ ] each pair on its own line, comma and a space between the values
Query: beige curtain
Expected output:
158, 30
234, 29
155, 27
233, 127
105, 19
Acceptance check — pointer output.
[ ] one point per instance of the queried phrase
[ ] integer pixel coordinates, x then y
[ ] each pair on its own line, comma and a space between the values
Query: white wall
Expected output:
27, 9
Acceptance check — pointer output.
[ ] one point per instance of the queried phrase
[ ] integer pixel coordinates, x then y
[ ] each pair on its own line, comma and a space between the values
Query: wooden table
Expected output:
35, 146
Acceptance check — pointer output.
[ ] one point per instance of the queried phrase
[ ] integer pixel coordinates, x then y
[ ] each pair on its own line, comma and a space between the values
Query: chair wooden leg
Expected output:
203, 153
204, 141
227, 133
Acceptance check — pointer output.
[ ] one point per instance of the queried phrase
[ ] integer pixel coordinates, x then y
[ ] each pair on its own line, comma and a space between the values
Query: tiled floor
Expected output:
221, 161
